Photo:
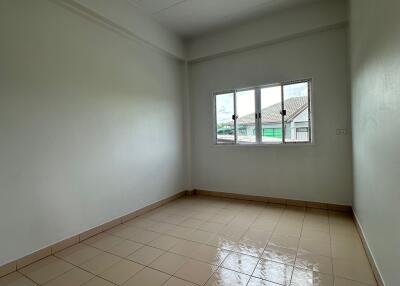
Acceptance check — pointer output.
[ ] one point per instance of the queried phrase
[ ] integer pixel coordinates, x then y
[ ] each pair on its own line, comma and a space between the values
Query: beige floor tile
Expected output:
316, 226
234, 232
314, 262
174, 219
116, 229
180, 231
145, 255
74, 277
100, 263
154, 215
288, 230
143, 236
240, 263
251, 247
303, 277
78, 254
148, 277
191, 222
103, 241
224, 277
165, 242
315, 246
141, 222
161, 227
347, 228
203, 215
254, 281
173, 281
200, 236
358, 271
185, 248
285, 241
125, 248
195, 271
224, 242
168, 262
273, 271
124, 231
209, 254
222, 218
261, 236
16, 279
121, 271
213, 227
345, 282
349, 248
46, 269
264, 225
280, 254
96, 281
316, 234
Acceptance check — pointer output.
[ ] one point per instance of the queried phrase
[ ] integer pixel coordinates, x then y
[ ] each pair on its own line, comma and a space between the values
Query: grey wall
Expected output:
91, 125
322, 172
375, 61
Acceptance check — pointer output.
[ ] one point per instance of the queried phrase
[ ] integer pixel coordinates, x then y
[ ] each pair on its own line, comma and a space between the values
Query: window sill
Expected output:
268, 145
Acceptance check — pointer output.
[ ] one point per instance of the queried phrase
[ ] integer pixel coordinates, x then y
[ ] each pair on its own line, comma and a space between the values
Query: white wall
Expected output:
322, 172
270, 28
375, 61
91, 125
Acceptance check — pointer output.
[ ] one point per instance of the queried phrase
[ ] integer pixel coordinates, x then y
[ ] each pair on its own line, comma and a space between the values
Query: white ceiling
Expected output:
190, 18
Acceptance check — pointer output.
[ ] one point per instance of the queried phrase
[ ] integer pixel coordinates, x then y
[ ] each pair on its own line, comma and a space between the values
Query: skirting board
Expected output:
289, 202
371, 259
49, 250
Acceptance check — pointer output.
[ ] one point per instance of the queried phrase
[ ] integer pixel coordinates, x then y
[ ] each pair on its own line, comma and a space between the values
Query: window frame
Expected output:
258, 123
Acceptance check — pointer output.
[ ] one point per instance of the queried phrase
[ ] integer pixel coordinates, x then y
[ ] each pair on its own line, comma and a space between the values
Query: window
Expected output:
274, 114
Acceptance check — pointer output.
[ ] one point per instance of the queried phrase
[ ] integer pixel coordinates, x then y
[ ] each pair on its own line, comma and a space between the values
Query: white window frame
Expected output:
258, 122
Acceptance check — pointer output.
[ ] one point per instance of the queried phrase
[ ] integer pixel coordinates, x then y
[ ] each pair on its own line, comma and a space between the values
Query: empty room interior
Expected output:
199, 142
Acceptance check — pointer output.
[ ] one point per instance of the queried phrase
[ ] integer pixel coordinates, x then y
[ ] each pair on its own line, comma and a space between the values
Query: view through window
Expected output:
274, 114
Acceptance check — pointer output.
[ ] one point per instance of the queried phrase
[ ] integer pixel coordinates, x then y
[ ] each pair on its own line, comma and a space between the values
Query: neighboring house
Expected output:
296, 121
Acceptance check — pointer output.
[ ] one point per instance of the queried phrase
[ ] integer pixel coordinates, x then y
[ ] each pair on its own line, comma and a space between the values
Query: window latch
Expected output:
234, 117
283, 112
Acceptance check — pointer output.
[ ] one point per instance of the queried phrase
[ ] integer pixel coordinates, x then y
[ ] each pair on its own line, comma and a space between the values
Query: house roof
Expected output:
271, 114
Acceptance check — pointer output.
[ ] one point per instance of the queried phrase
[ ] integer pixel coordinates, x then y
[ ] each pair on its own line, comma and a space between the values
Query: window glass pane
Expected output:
224, 104
246, 121
297, 112
271, 119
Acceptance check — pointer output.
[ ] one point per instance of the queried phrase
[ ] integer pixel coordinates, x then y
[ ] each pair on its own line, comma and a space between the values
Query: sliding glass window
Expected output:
273, 114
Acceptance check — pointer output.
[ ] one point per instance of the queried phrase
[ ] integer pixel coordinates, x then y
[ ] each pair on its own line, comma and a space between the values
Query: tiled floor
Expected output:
210, 241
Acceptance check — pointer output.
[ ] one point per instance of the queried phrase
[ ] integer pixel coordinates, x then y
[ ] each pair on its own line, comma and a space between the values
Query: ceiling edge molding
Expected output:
340, 25
95, 17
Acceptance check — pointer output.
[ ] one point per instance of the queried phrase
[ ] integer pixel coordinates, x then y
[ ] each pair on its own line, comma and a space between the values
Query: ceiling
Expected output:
190, 18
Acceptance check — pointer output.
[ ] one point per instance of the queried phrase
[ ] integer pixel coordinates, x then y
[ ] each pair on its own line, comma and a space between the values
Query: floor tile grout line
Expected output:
331, 247
297, 251
27, 277
51, 255
94, 274
276, 225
